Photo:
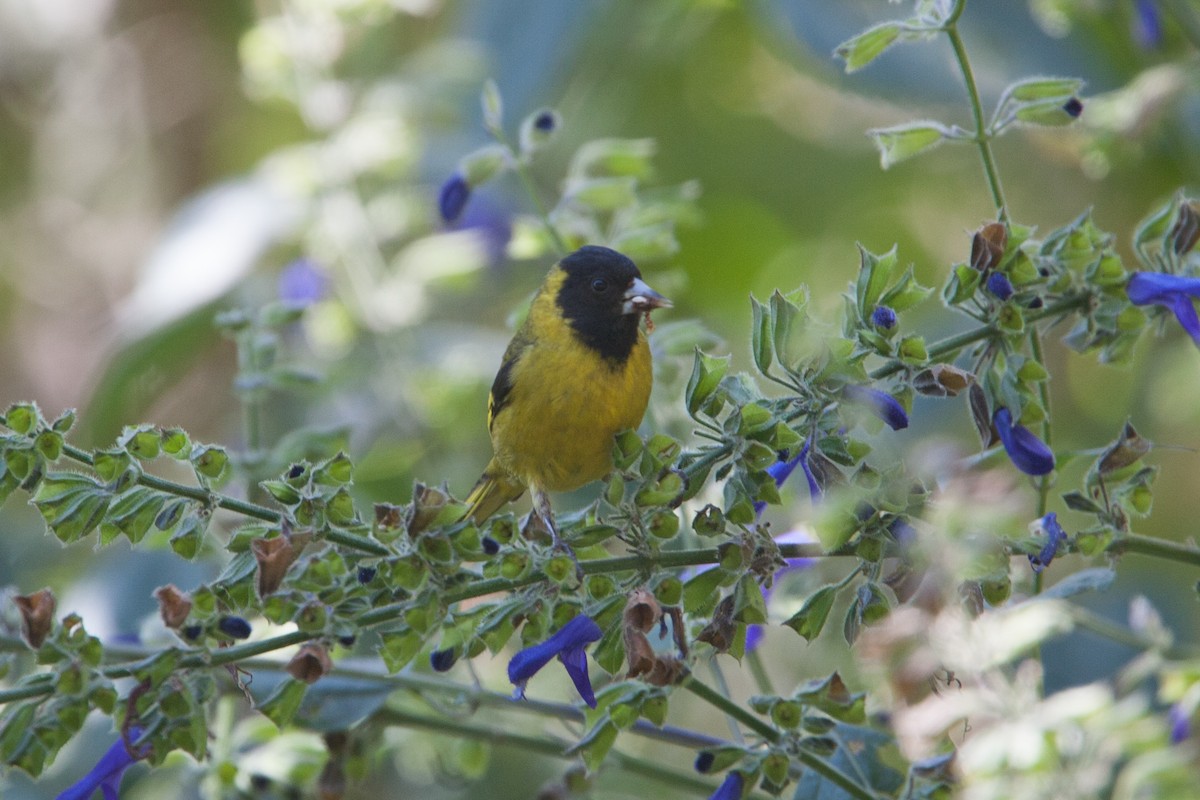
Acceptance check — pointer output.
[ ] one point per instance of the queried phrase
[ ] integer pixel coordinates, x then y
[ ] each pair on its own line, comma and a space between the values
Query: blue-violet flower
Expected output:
453, 197
881, 404
1181, 723
999, 285
568, 645
782, 470
1029, 453
1170, 291
106, 775
730, 788
1147, 27
1055, 535
302, 283
883, 317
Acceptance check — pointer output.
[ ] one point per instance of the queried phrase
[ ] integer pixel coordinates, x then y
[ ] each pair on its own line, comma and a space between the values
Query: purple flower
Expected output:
883, 317
1170, 291
106, 775
1073, 107
491, 223
881, 404
1055, 536
730, 788
568, 644
302, 283
1147, 27
1029, 453
781, 470
546, 121
453, 197
999, 285
1181, 723
903, 533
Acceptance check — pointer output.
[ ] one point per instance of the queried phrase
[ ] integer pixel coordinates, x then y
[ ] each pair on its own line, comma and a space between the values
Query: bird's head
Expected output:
601, 296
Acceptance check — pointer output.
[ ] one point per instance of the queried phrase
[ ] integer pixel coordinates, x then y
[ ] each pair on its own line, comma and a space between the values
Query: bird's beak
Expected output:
640, 299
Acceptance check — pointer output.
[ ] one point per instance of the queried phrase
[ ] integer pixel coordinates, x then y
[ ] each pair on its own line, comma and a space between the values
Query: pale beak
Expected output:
640, 298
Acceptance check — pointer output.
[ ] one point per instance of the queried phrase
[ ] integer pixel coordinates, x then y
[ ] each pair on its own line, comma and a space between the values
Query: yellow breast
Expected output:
556, 427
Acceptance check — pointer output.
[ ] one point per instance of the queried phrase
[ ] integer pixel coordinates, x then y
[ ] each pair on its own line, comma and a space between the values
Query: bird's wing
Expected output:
503, 384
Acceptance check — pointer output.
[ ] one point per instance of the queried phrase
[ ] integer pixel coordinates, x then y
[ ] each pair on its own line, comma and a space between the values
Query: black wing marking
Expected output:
503, 384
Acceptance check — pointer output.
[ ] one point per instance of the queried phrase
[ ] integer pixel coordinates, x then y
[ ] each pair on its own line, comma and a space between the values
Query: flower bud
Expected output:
234, 627
539, 128
883, 317
999, 285
442, 660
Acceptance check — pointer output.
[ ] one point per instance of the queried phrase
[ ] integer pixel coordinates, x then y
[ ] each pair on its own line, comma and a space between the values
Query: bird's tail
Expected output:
494, 488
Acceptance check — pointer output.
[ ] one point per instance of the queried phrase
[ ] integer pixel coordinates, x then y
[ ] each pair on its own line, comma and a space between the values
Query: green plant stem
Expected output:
723, 688
197, 493
729, 708
252, 404
543, 214
556, 748
1102, 626
810, 760
759, 671
1158, 548
522, 169
982, 138
952, 344
1035, 348
470, 695
388, 613
599, 566
252, 428
243, 507
25, 692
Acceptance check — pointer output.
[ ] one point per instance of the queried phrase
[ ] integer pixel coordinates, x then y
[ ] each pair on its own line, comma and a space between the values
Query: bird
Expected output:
576, 373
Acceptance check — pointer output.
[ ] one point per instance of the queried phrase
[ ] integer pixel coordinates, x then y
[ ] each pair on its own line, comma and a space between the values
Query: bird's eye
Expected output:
599, 285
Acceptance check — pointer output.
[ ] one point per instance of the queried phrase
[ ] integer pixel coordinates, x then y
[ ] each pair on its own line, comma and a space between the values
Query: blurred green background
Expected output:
162, 160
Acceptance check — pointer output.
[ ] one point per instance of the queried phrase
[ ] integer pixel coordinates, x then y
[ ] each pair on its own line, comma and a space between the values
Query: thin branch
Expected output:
982, 137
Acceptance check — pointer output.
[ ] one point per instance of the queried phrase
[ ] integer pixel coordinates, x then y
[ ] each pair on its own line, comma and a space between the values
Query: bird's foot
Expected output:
543, 515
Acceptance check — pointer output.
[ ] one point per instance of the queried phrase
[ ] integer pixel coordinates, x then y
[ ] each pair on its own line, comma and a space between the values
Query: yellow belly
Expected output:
556, 429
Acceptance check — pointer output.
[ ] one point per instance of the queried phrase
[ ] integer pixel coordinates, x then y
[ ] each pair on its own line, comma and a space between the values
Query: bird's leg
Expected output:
541, 507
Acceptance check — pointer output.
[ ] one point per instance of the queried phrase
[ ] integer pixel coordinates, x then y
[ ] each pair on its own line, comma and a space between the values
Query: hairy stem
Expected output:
521, 167
1043, 484
1102, 626
1159, 548
556, 748
982, 137
810, 760
247, 509
952, 344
